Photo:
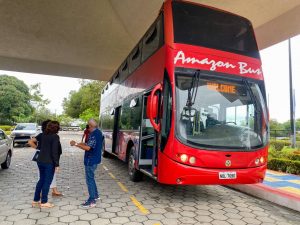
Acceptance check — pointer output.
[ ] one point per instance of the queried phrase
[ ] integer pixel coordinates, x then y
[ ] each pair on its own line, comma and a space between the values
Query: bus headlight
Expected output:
257, 161
192, 160
262, 160
183, 158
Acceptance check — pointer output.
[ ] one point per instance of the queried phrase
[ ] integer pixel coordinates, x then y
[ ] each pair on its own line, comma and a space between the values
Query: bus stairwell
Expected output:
148, 146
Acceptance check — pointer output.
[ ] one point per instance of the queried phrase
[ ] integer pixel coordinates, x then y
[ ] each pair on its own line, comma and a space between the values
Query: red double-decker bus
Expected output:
188, 105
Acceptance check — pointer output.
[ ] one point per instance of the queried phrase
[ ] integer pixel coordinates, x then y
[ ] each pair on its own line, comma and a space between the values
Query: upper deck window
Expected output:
201, 26
153, 39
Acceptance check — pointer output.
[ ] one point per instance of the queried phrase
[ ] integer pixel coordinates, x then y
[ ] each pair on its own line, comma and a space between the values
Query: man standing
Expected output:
92, 157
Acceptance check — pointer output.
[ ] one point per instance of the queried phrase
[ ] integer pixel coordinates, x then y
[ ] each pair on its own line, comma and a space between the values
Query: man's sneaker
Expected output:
88, 204
97, 198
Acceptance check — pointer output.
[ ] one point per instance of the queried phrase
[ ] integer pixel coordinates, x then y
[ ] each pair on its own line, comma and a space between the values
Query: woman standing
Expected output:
48, 163
36, 144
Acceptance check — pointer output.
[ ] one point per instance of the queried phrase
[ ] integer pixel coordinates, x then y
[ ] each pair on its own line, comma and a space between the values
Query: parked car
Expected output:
5, 150
75, 128
23, 132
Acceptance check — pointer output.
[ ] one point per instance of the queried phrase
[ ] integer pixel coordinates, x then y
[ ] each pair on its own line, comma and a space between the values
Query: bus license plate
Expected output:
227, 175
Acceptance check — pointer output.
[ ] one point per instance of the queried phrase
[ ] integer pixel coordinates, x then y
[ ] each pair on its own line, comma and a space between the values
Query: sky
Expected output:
53, 88
275, 64
275, 68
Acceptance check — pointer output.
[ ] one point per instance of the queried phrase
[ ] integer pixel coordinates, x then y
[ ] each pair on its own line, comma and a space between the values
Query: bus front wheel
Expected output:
134, 174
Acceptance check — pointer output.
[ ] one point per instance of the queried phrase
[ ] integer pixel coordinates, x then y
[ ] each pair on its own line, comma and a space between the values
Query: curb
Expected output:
265, 192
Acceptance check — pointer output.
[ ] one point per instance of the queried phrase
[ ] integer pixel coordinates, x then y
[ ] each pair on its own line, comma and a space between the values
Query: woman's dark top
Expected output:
38, 138
50, 149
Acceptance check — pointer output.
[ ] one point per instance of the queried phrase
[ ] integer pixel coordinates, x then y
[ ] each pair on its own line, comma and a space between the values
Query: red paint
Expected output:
279, 192
216, 60
170, 171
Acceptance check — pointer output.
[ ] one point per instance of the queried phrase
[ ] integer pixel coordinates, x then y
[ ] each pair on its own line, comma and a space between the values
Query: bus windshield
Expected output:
220, 113
202, 26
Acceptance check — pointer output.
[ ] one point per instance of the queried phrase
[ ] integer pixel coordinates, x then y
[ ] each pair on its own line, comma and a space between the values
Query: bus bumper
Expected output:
172, 172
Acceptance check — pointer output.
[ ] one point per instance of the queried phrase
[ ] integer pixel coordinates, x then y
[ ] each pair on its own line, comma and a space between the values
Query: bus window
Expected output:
147, 128
241, 115
130, 118
213, 29
153, 39
229, 115
135, 58
107, 121
123, 71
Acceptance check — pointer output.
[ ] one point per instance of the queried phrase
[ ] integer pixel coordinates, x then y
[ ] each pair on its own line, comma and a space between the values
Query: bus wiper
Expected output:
192, 91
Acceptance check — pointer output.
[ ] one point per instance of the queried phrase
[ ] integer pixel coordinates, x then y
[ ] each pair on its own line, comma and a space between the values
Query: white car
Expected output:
23, 132
6, 150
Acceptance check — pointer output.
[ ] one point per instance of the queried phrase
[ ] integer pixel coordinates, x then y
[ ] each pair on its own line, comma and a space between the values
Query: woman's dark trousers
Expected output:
43, 185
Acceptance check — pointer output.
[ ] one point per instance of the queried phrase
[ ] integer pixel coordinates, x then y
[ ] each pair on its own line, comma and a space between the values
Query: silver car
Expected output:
6, 150
23, 132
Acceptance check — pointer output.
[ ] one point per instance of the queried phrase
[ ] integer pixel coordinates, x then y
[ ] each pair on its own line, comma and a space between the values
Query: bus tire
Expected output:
134, 174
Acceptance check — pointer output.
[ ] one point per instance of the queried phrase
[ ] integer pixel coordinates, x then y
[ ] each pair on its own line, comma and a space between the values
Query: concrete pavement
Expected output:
125, 202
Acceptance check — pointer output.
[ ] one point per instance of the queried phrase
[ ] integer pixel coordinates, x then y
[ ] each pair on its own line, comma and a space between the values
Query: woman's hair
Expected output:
52, 127
87, 126
44, 125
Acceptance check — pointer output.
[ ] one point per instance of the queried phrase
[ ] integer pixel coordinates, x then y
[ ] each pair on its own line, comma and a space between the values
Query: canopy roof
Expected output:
90, 38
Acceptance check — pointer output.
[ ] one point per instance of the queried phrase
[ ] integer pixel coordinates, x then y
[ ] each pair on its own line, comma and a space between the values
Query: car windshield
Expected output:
219, 113
25, 127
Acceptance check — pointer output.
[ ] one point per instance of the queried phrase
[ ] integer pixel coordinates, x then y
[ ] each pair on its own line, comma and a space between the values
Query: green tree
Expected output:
275, 125
87, 114
39, 103
85, 101
37, 98
64, 120
41, 114
72, 104
14, 100
287, 125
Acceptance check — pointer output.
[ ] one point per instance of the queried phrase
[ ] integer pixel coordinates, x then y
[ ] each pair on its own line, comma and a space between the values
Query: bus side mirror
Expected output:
152, 107
152, 111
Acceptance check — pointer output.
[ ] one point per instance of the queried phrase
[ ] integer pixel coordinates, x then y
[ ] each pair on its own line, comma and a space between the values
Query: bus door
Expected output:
116, 130
148, 142
146, 147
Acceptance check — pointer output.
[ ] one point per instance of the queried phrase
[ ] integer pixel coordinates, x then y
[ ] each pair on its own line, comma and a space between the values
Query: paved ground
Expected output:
124, 202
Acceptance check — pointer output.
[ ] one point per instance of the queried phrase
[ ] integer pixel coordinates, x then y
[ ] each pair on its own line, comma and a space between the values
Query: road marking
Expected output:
133, 199
112, 176
139, 205
275, 173
271, 179
105, 167
294, 181
291, 190
122, 186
